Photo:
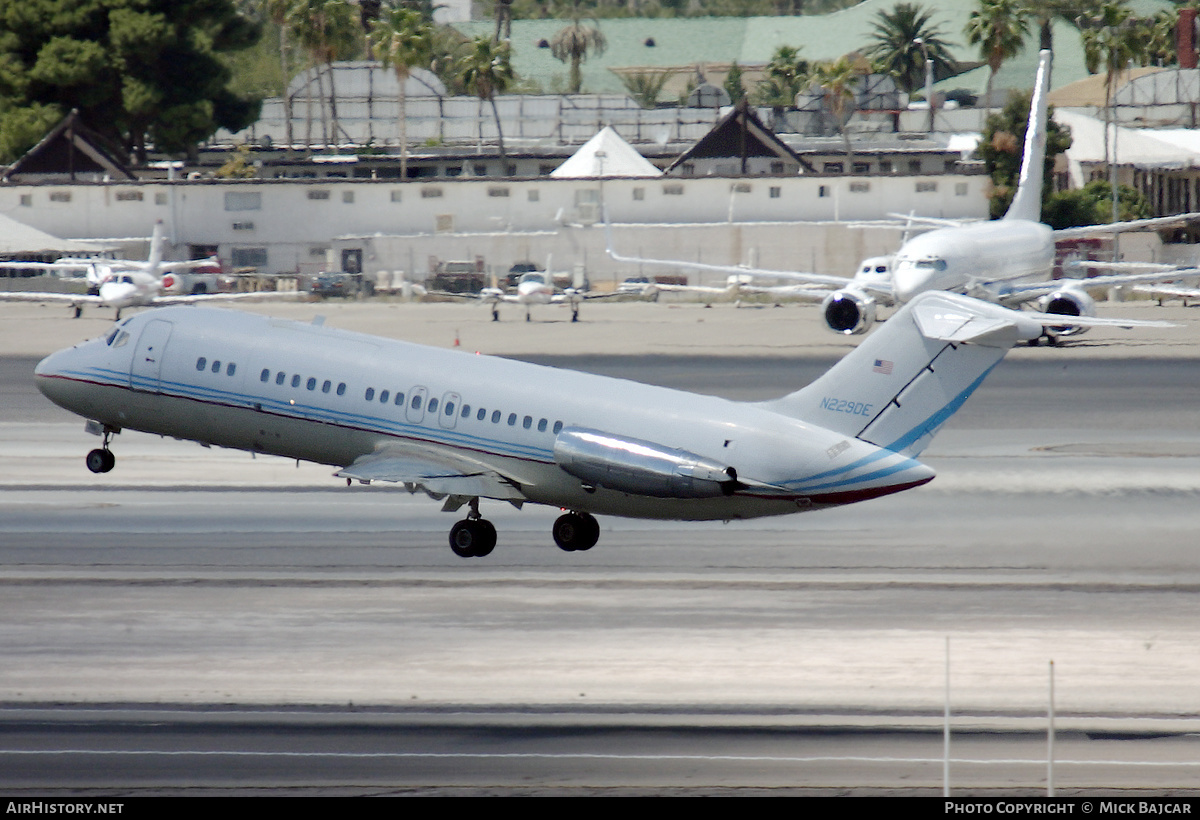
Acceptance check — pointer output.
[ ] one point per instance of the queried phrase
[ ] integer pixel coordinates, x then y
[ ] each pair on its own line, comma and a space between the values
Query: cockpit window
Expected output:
935, 264
117, 337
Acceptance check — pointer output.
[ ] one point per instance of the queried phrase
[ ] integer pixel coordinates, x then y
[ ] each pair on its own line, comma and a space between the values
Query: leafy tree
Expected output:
138, 71
999, 28
734, 86
574, 43
403, 40
903, 39
1002, 146
485, 71
1092, 205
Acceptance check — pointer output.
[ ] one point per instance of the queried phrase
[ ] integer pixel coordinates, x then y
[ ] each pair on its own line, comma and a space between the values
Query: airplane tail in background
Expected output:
1027, 203
898, 387
154, 265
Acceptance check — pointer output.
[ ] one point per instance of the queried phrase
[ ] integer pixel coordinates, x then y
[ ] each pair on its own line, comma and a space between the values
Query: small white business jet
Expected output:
1007, 261
464, 427
123, 283
538, 288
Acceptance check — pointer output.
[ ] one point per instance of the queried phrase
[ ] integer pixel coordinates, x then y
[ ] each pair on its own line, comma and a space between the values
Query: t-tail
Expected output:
154, 265
898, 387
1027, 203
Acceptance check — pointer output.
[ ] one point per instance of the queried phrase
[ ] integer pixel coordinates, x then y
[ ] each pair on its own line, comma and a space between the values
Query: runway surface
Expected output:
201, 601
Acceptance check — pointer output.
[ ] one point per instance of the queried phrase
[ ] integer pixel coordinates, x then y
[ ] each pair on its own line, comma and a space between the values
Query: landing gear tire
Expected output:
473, 538
100, 461
576, 532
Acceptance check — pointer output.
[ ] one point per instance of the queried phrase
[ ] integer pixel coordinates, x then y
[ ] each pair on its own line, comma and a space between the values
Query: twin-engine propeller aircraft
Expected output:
465, 427
123, 283
1008, 261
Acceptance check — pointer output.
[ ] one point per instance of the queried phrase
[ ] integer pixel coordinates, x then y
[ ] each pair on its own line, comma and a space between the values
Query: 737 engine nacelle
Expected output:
849, 312
640, 467
1068, 301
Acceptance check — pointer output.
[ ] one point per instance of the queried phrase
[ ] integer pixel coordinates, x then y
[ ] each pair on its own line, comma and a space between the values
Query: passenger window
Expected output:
201, 363
449, 410
558, 425
312, 383
280, 377
416, 402
384, 395
326, 386
370, 394
466, 411
542, 425
296, 380
216, 367
265, 377
399, 399
527, 422
341, 391
512, 419
495, 417
433, 404
481, 415
230, 369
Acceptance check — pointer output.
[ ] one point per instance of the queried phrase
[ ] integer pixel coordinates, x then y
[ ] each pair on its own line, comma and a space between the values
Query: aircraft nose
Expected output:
48, 375
909, 280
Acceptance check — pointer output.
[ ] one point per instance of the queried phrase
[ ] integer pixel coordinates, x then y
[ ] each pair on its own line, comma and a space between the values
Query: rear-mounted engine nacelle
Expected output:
848, 312
1068, 302
640, 467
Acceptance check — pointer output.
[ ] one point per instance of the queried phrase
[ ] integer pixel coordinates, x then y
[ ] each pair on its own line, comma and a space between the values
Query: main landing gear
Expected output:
101, 460
475, 536
576, 532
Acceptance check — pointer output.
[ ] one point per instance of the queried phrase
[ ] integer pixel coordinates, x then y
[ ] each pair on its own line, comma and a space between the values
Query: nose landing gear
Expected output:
101, 460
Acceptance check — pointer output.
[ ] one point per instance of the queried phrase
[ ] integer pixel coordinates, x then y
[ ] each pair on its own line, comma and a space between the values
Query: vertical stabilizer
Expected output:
1027, 204
156, 250
898, 387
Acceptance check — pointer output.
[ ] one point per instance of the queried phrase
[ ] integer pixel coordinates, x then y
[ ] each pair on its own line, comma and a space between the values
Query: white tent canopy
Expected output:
18, 239
606, 155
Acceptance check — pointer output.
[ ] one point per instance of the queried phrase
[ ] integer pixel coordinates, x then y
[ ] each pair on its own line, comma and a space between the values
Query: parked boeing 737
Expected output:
1008, 261
464, 427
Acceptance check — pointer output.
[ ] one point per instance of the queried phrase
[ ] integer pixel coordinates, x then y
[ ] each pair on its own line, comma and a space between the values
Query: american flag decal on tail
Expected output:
883, 366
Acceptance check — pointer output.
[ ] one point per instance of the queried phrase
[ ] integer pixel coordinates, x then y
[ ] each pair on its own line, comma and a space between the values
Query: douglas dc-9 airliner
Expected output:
464, 427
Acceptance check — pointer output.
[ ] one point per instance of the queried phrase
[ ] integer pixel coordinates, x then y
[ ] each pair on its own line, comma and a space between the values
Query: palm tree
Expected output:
1110, 43
904, 39
574, 43
277, 11
839, 80
485, 71
403, 40
999, 28
328, 30
785, 76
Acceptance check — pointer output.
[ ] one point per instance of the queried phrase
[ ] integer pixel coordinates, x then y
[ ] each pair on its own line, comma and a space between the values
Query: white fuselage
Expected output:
269, 386
977, 259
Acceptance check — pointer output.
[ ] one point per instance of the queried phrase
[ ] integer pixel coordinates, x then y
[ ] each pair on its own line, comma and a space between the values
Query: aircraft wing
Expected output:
1168, 290
61, 298
1154, 224
811, 278
1024, 293
230, 297
435, 471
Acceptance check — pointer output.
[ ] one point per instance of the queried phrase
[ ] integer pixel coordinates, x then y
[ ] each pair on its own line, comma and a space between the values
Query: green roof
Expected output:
752, 40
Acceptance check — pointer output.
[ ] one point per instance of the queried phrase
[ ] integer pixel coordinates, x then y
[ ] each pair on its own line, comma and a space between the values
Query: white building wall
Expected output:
295, 222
